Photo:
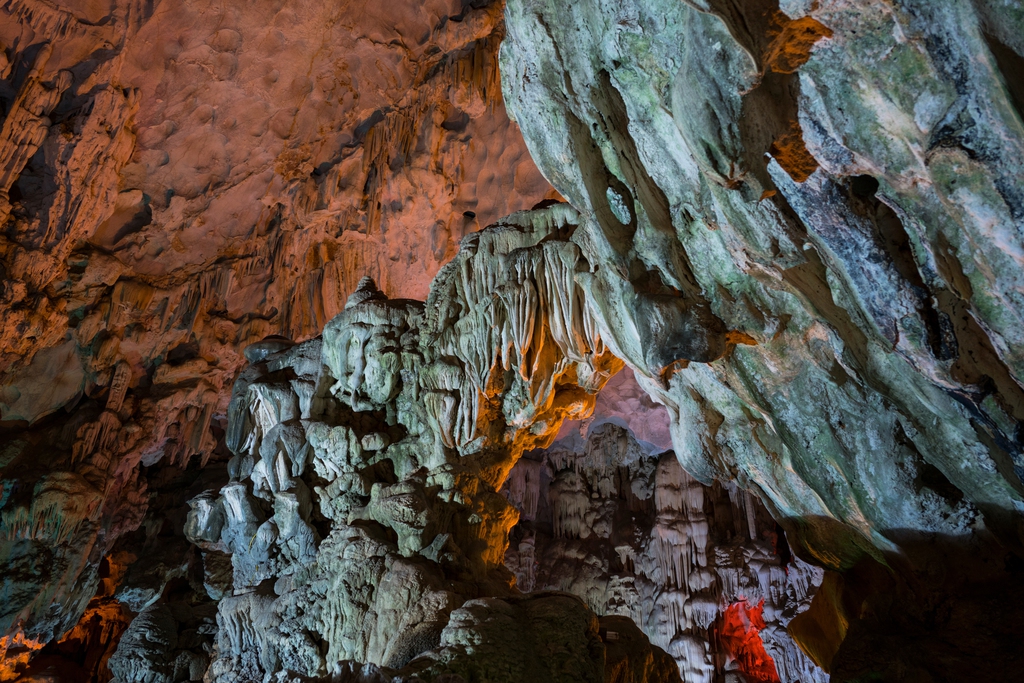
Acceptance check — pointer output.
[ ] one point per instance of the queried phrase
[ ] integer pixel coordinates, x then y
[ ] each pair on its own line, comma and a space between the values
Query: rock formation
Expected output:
831, 193
179, 180
363, 520
627, 530
797, 224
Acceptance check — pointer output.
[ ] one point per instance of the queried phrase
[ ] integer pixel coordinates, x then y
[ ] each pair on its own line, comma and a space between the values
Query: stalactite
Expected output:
675, 567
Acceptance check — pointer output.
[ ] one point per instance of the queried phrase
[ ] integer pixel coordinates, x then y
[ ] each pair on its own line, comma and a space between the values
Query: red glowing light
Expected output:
740, 637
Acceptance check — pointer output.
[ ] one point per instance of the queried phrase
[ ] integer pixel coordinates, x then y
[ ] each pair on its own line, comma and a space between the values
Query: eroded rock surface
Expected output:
181, 179
626, 529
807, 219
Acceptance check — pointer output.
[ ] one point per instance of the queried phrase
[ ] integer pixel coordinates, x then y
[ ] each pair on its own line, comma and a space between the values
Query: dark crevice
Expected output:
782, 548
978, 363
894, 241
597, 179
769, 118
768, 122
1011, 68
979, 369
931, 477
810, 280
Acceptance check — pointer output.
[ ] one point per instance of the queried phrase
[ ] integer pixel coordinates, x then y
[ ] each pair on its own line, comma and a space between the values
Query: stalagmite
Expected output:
669, 565
739, 399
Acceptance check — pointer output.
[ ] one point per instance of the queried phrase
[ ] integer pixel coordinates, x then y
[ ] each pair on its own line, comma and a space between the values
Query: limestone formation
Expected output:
628, 531
227, 455
180, 180
831, 192
363, 519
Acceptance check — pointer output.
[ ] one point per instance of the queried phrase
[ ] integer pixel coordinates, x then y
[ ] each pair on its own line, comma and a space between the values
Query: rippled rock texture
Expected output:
179, 180
797, 224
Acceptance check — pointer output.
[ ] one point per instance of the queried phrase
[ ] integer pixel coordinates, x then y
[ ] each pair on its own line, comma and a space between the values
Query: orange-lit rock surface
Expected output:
179, 179
218, 172
799, 224
15, 651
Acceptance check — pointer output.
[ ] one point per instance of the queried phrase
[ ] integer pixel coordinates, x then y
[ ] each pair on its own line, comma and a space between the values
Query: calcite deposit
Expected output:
623, 527
179, 180
736, 397
363, 520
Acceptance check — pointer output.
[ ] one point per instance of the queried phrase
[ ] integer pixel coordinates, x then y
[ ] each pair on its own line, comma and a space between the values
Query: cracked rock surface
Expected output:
795, 225
824, 201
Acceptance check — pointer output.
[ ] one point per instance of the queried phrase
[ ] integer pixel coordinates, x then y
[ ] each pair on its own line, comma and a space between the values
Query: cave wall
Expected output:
806, 218
833, 278
797, 224
181, 179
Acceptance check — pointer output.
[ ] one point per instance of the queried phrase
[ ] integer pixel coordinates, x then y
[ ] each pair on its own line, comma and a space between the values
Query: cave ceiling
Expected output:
528, 340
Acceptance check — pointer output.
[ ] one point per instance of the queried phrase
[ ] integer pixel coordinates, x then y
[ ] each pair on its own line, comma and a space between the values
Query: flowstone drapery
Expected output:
363, 519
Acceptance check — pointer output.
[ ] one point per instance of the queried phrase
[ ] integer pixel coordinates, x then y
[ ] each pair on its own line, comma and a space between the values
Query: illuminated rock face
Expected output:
180, 179
832, 193
839, 277
796, 225
628, 531
364, 525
